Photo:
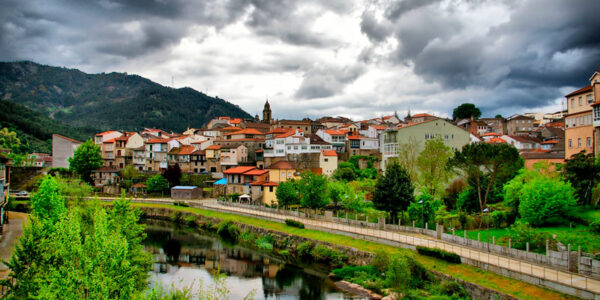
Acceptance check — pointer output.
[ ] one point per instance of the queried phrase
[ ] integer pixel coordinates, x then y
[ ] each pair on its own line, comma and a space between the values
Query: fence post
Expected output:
578, 259
547, 247
479, 236
453, 232
509, 243
527, 247
568, 256
494, 240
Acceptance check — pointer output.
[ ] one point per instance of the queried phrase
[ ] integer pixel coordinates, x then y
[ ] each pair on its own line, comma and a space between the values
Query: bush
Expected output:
381, 260
367, 276
595, 226
546, 201
325, 254
190, 221
305, 248
520, 233
265, 242
285, 253
439, 253
294, 223
228, 230
177, 217
181, 203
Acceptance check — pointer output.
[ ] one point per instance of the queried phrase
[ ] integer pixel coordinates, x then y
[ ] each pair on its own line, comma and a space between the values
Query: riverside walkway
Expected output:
566, 282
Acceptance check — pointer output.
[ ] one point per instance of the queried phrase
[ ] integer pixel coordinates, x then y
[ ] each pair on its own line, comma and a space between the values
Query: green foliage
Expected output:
398, 274
74, 189
95, 99
9, 140
367, 276
87, 252
424, 211
520, 233
595, 226
157, 184
287, 194
228, 230
583, 172
394, 190
265, 242
381, 260
86, 158
326, 254
486, 166
48, 205
35, 130
304, 249
466, 111
432, 165
190, 221
294, 223
541, 199
439, 253
128, 176
344, 173
312, 189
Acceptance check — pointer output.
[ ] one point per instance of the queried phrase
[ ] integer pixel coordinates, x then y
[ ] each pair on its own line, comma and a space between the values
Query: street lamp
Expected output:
422, 213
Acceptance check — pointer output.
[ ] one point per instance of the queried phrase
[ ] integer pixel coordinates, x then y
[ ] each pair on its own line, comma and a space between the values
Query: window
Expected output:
580, 101
572, 103
271, 189
589, 142
590, 99
570, 143
579, 143
326, 159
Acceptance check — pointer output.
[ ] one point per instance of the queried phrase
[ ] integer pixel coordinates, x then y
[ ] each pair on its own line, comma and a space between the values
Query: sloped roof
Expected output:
238, 170
246, 131
335, 132
491, 134
198, 152
329, 153
423, 115
496, 141
66, 138
580, 91
157, 141
283, 165
106, 132
256, 172
187, 150
213, 147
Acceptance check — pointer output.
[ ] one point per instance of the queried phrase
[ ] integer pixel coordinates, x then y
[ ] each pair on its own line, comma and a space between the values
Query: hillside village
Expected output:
252, 156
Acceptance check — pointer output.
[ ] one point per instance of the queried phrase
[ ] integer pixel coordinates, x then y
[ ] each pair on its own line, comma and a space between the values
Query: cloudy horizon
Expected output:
360, 58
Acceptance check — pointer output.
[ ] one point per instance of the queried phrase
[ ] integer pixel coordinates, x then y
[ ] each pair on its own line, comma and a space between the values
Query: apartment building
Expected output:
579, 121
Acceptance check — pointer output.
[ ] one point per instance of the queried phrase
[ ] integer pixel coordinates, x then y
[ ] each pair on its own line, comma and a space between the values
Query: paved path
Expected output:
526, 268
10, 233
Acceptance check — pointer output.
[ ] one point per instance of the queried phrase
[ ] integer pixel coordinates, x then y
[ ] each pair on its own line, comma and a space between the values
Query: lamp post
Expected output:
422, 212
487, 210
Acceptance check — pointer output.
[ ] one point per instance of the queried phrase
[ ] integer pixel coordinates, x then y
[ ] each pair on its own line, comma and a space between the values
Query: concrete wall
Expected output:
62, 149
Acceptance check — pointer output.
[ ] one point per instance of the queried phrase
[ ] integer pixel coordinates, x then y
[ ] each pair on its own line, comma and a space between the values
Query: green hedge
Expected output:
439, 253
294, 223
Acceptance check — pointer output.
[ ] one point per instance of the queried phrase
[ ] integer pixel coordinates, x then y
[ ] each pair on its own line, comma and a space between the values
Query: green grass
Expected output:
491, 280
589, 215
578, 235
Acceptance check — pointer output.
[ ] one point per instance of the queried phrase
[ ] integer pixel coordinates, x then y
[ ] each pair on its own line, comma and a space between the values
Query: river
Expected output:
185, 258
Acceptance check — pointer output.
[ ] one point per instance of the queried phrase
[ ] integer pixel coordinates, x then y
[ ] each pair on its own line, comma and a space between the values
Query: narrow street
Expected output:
10, 234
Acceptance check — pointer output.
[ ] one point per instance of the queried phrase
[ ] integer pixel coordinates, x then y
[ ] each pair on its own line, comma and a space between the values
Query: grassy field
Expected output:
577, 235
491, 280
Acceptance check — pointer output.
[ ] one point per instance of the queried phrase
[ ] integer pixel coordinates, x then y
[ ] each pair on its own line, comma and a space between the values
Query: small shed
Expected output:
186, 192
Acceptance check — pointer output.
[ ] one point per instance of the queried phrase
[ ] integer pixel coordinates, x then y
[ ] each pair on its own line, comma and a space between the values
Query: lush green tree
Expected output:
423, 208
452, 191
47, 203
583, 171
9, 140
394, 190
87, 157
499, 116
432, 164
173, 175
408, 153
73, 189
486, 165
157, 184
287, 194
398, 275
128, 175
540, 199
465, 111
336, 191
344, 174
313, 190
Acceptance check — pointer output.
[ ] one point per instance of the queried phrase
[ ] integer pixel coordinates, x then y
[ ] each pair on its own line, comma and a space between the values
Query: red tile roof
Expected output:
580, 91
157, 141
187, 150
329, 153
356, 137
379, 127
246, 131
279, 130
595, 103
256, 172
283, 165
213, 147
491, 134
270, 184
110, 141
235, 121
422, 115
238, 170
105, 133
496, 141
199, 152
230, 128
335, 132
287, 134
550, 142
260, 151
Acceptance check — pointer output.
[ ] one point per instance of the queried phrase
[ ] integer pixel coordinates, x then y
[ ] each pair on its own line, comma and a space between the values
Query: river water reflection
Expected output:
186, 258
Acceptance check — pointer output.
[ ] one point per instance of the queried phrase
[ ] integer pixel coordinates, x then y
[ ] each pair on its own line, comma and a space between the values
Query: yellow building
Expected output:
328, 162
282, 171
579, 129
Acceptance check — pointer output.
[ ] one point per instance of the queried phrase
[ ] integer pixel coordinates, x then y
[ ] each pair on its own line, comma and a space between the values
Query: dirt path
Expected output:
10, 234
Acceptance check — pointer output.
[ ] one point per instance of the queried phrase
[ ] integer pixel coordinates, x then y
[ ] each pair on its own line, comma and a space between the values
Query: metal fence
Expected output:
522, 262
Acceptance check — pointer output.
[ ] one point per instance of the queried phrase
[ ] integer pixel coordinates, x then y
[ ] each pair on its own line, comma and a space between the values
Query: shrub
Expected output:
305, 248
294, 223
247, 237
398, 274
449, 288
265, 242
381, 260
228, 230
177, 217
190, 221
325, 254
595, 226
439, 253
367, 276
181, 203
520, 233
546, 201
284, 252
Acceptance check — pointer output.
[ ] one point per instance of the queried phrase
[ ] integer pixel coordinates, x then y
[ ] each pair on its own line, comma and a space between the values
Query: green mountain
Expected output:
116, 101
35, 129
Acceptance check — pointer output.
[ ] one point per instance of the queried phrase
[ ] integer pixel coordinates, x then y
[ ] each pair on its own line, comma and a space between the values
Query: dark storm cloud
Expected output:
375, 31
322, 82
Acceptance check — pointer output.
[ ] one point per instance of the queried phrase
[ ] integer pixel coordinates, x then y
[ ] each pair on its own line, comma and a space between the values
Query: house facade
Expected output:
62, 149
579, 127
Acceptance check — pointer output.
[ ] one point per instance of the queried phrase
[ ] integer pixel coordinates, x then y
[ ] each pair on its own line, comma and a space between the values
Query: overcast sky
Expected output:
311, 58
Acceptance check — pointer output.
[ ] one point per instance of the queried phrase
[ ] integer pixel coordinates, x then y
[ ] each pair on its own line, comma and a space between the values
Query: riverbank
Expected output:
466, 273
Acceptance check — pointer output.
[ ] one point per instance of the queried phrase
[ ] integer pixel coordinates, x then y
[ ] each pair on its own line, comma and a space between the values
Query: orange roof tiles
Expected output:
256, 172
550, 142
335, 132
246, 131
356, 137
187, 150
157, 141
491, 134
379, 127
279, 130
105, 133
109, 141
287, 134
580, 91
235, 121
213, 147
198, 152
238, 170
283, 165
496, 141
422, 115
329, 153
230, 128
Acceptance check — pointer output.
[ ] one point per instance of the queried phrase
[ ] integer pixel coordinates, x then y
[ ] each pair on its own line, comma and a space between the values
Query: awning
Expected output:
221, 181
244, 196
